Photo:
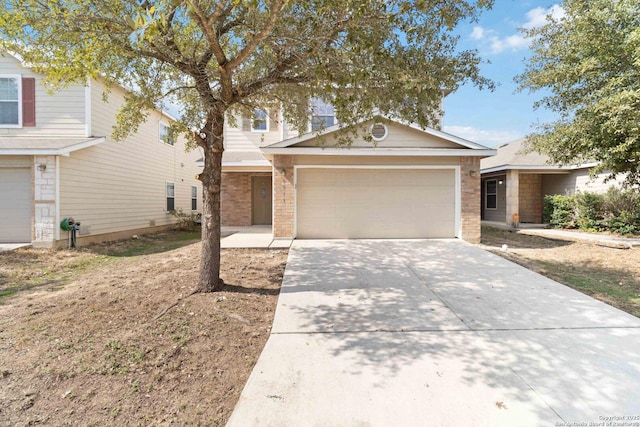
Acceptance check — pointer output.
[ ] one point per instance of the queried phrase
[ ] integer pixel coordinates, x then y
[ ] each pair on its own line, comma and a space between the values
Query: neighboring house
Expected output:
515, 181
57, 161
406, 183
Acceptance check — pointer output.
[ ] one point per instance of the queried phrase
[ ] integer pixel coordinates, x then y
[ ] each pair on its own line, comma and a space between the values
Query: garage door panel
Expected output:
15, 205
339, 203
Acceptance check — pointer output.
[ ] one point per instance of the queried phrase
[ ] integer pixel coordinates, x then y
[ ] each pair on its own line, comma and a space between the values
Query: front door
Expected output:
261, 200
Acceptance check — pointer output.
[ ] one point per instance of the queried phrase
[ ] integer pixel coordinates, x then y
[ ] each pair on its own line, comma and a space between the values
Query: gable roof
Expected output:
517, 155
297, 145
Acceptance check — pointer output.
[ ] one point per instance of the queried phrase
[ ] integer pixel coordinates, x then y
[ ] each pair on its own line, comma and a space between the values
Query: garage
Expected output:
376, 202
15, 205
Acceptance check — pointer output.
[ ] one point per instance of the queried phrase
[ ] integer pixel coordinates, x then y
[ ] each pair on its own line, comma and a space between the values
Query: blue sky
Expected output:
504, 115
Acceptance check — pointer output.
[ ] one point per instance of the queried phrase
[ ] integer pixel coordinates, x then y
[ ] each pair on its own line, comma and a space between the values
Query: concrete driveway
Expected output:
437, 333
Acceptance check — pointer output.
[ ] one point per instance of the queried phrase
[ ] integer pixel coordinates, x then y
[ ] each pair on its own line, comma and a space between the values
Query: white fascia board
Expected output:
316, 151
64, 151
526, 167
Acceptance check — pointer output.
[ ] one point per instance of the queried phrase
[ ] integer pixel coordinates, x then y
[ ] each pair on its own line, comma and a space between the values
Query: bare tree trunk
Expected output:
211, 178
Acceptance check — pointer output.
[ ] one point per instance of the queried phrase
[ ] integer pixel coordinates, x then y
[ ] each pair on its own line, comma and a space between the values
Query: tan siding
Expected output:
398, 136
241, 138
577, 180
375, 160
62, 113
116, 186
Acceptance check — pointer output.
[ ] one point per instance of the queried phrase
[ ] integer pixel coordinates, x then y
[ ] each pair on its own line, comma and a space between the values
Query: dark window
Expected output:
491, 194
166, 134
171, 196
323, 114
9, 101
194, 198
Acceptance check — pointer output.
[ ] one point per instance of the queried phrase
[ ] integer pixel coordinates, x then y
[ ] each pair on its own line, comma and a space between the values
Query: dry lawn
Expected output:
610, 275
79, 344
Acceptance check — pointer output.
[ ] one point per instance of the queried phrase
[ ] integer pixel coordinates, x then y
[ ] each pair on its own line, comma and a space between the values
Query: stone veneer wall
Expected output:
283, 196
44, 193
235, 200
530, 193
470, 188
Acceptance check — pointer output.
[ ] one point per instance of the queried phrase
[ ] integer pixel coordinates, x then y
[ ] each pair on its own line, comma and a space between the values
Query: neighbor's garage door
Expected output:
15, 205
375, 203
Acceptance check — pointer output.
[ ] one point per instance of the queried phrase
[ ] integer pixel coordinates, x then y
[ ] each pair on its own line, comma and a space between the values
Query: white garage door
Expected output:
15, 205
375, 203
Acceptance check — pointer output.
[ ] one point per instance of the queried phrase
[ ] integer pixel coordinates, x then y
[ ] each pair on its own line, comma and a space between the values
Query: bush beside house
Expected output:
616, 210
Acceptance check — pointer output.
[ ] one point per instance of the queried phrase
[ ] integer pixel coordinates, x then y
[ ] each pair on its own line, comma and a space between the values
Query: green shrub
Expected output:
617, 211
589, 212
559, 211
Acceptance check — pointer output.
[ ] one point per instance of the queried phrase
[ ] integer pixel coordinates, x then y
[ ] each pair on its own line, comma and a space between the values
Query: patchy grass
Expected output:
28, 269
91, 353
608, 274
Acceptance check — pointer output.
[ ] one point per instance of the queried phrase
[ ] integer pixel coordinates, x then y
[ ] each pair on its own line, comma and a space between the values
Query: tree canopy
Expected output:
589, 61
212, 57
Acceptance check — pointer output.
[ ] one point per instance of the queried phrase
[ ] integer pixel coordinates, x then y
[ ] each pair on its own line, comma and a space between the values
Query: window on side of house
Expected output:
171, 196
259, 121
322, 114
10, 101
166, 135
194, 198
491, 194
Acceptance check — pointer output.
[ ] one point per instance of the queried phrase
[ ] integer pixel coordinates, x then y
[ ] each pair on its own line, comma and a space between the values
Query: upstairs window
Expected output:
10, 101
259, 121
491, 194
322, 114
166, 135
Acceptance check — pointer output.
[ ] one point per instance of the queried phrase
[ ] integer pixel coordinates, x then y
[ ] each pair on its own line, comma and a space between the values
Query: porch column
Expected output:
513, 195
283, 192
45, 187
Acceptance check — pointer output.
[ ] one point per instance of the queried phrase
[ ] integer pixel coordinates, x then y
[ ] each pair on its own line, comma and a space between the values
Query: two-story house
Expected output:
402, 182
57, 160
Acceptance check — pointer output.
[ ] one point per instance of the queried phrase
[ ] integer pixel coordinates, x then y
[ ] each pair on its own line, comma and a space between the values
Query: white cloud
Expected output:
515, 42
477, 33
538, 16
488, 137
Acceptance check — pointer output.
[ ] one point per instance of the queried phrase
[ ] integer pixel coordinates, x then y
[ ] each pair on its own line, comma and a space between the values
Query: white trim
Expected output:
192, 198
17, 77
486, 194
457, 185
429, 131
64, 151
56, 226
345, 151
87, 109
166, 195
267, 121
541, 168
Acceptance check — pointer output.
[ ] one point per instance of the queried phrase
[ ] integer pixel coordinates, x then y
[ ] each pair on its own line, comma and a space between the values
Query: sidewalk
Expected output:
256, 236
602, 239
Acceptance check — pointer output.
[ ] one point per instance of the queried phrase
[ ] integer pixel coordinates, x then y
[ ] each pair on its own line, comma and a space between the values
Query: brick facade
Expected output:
470, 192
530, 198
235, 198
283, 203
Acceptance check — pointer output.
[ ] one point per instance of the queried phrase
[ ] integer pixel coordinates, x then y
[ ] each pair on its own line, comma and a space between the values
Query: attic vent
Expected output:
379, 131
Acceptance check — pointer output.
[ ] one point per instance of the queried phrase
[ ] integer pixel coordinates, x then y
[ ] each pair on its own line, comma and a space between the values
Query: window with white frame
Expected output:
166, 135
194, 198
259, 121
491, 194
10, 101
171, 196
322, 114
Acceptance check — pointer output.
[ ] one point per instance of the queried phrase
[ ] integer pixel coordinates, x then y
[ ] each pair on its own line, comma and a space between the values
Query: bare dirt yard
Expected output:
81, 344
608, 274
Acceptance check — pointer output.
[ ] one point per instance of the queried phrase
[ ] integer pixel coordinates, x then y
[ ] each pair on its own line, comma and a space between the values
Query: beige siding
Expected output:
375, 160
578, 180
241, 138
398, 136
116, 186
60, 114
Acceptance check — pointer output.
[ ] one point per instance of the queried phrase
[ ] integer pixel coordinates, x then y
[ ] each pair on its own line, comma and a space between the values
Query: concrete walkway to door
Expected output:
436, 333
